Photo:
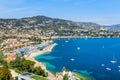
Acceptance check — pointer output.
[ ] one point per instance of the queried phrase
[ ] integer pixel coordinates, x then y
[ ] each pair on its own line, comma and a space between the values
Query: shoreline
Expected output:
48, 49
89, 37
43, 66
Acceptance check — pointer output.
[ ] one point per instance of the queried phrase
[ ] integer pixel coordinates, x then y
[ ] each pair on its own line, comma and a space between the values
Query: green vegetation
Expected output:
5, 74
2, 62
65, 77
28, 65
36, 40
1, 51
81, 77
21, 65
49, 27
38, 78
1, 40
39, 71
17, 63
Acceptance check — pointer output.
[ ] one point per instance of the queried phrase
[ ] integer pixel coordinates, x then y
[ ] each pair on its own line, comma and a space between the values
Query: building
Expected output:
26, 76
11, 57
69, 74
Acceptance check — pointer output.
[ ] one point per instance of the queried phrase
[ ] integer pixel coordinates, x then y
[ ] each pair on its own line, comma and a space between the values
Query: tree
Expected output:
81, 79
5, 74
17, 62
39, 71
65, 77
28, 65
87, 79
21, 64
16, 78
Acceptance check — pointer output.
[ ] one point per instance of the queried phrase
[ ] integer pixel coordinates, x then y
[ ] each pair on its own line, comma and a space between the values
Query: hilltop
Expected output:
46, 26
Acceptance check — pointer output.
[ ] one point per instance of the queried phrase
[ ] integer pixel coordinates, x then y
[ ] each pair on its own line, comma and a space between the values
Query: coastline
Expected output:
38, 52
47, 49
81, 37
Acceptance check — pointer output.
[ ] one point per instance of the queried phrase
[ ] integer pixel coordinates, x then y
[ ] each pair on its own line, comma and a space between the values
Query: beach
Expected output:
35, 53
47, 49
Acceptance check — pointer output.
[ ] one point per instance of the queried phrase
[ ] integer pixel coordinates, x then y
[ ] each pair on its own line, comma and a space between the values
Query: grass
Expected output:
1, 51
1, 41
81, 77
17, 70
38, 78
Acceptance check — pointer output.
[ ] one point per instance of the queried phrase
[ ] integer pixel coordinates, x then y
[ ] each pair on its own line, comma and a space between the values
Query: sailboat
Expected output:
103, 46
118, 70
108, 69
66, 41
86, 37
72, 59
78, 48
118, 66
102, 64
113, 61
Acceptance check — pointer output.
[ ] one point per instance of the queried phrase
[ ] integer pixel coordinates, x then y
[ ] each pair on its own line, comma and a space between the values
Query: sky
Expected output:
104, 12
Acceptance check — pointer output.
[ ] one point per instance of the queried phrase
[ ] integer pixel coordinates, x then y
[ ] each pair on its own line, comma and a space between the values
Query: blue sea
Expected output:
87, 57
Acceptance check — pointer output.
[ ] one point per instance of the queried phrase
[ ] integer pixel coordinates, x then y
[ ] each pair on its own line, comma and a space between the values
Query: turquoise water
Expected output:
88, 59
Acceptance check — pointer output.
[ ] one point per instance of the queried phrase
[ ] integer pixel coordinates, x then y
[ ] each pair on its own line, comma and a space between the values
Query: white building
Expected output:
70, 75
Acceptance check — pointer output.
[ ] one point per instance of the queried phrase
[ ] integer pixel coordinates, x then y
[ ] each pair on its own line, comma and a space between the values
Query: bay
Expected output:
88, 57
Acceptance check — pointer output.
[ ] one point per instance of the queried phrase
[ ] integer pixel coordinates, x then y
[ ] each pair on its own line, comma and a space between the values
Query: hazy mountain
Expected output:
115, 28
43, 22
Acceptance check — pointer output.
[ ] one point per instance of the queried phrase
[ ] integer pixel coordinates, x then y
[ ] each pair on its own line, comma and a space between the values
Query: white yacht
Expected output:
118, 70
86, 37
113, 61
72, 59
103, 46
118, 66
102, 64
78, 48
108, 69
66, 41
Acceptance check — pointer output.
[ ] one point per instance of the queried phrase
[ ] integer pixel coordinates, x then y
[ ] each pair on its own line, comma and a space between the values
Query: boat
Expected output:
72, 59
66, 41
103, 46
118, 70
78, 48
113, 61
102, 64
108, 69
86, 37
118, 66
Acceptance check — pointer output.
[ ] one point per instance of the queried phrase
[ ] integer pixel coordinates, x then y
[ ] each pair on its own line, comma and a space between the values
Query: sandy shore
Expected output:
48, 49
36, 53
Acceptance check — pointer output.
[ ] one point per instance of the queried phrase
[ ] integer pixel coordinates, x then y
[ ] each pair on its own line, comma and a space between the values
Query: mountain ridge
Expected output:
40, 21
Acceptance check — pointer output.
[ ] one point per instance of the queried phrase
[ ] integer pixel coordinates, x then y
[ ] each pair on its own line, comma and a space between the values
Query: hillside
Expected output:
46, 26
47, 22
